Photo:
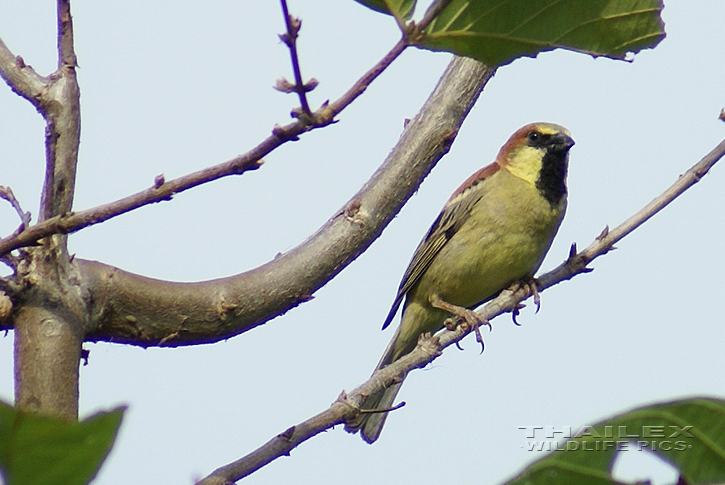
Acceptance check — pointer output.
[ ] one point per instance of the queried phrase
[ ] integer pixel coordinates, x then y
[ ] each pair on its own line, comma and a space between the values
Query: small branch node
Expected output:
344, 399
572, 251
287, 434
354, 214
159, 180
603, 234
310, 85
284, 86
283, 133
285, 38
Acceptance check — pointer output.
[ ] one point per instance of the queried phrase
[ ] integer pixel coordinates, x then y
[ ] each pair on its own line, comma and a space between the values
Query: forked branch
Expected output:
28, 84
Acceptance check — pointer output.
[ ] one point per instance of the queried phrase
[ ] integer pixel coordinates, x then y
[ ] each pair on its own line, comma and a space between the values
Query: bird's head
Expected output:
538, 153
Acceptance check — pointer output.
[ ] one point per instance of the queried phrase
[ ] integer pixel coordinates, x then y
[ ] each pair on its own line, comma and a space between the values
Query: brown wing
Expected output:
452, 217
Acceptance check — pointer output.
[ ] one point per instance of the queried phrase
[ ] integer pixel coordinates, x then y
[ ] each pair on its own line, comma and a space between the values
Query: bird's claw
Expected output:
479, 338
515, 313
532, 286
469, 320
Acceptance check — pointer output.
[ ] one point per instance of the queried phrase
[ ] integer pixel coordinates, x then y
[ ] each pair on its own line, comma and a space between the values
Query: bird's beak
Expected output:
561, 142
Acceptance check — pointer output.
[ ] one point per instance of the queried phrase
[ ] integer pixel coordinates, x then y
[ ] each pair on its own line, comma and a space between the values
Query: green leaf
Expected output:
689, 434
401, 9
41, 450
498, 31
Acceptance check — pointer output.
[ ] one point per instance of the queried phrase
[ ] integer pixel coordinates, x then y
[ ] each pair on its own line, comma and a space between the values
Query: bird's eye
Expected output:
534, 137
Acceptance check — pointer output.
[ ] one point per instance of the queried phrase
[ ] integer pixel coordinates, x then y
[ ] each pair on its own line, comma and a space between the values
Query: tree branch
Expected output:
7, 194
66, 52
21, 78
143, 311
160, 191
49, 325
347, 406
62, 113
65, 223
290, 39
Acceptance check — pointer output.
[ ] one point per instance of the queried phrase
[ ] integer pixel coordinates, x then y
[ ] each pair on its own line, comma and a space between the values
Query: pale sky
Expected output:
172, 87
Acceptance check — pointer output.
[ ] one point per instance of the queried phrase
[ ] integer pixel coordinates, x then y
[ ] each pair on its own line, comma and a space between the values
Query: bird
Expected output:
492, 233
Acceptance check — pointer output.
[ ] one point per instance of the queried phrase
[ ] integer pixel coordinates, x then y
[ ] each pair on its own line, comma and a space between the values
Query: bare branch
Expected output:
604, 243
290, 39
429, 348
65, 223
21, 78
61, 102
7, 194
143, 311
48, 337
160, 191
346, 407
66, 52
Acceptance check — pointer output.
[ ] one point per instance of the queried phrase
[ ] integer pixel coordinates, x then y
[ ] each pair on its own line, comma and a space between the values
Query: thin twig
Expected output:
77, 220
429, 348
251, 160
605, 241
7, 194
290, 39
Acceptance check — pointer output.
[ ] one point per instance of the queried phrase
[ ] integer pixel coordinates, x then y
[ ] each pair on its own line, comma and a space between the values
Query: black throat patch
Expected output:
552, 177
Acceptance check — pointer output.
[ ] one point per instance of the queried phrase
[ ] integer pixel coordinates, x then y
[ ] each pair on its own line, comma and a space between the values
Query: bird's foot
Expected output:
515, 313
468, 319
531, 285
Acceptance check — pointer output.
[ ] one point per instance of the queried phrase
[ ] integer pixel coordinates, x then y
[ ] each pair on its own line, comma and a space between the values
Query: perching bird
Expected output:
494, 231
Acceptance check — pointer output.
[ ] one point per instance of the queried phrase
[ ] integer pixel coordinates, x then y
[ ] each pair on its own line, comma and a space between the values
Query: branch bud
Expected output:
284, 86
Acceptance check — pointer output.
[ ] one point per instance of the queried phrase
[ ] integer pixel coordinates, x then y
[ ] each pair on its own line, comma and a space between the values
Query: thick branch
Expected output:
21, 78
429, 348
62, 113
47, 351
142, 311
49, 325
66, 51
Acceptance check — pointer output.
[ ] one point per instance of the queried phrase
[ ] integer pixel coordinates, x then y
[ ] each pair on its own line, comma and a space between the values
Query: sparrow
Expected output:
493, 232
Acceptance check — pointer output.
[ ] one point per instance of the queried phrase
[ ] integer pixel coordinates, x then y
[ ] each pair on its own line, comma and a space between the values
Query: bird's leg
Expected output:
470, 318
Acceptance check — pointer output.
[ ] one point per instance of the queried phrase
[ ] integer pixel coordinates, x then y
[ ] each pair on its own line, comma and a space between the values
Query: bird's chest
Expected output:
499, 244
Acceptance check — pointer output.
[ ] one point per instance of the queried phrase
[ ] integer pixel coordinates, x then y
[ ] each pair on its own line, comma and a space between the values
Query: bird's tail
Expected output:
370, 424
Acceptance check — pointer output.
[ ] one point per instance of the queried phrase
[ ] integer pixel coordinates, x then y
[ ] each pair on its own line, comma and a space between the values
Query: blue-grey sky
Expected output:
172, 87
